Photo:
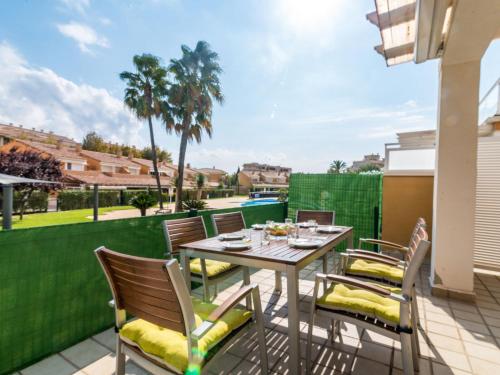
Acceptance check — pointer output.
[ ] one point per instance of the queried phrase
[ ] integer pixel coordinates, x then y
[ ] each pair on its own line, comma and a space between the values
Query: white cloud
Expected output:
83, 34
38, 97
105, 21
79, 6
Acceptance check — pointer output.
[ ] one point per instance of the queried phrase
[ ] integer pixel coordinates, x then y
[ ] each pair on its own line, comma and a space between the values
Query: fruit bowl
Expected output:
279, 230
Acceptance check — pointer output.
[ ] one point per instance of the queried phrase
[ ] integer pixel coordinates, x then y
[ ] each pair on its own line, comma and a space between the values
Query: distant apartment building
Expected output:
368, 160
263, 177
213, 176
83, 168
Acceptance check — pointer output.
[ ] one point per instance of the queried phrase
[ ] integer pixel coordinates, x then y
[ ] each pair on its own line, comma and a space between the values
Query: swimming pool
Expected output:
258, 202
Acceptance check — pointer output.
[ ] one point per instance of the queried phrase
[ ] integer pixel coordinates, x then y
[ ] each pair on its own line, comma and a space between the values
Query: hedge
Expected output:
218, 193
38, 202
74, 200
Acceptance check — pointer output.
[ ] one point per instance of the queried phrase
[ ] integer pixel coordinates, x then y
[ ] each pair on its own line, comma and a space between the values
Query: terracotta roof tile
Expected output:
109, 158
116, 179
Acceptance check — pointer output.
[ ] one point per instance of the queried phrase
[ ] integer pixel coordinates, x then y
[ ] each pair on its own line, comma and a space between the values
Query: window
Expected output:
69, 166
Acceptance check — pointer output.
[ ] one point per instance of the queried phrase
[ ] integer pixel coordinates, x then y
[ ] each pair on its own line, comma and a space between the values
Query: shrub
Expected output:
143, 201
75, 200
37, 202
193, 204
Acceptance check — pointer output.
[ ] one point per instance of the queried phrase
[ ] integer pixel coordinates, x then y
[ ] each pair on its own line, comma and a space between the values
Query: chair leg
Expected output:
415, 350
406, 352
325, 270
120, 357
216, 290
414, 306
414, 319
261, 333
246, 281
309, 343
206, 291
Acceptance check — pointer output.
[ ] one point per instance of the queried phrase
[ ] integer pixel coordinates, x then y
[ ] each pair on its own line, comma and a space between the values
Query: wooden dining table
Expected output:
279, 256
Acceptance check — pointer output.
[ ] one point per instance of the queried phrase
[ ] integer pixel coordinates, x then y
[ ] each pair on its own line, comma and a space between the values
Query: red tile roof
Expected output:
109, 158
113, 179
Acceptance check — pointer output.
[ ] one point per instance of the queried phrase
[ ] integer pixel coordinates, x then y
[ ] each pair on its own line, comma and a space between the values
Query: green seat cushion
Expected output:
172, 346
356, 300
382, 271
214, 267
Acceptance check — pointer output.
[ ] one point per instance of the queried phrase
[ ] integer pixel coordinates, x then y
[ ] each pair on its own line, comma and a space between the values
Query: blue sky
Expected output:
302, 82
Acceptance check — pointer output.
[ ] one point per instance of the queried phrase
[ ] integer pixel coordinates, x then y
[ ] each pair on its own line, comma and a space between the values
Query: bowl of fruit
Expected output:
279, 230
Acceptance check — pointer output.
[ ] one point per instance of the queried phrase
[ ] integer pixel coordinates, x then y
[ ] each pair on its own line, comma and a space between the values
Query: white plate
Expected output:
305, 243
231, 236
329, 229
258, 226
305, 224
237, 246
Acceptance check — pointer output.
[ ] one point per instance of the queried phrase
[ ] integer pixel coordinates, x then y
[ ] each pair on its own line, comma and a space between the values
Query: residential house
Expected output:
9, 132
368, 160
213, 176
263, 177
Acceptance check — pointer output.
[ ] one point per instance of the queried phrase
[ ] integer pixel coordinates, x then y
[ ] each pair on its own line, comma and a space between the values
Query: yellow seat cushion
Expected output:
172, 346
367, 268
356, 300
214, 267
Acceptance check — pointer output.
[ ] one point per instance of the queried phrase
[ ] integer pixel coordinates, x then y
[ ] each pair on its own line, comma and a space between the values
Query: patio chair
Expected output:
380, 267
380, 308
205, 271
172, 333
228, 223
321, 217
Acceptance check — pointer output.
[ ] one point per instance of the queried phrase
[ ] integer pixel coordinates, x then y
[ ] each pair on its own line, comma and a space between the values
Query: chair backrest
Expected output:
181, 231
416, 256
148, 289
419, 232
321, 217
228, 223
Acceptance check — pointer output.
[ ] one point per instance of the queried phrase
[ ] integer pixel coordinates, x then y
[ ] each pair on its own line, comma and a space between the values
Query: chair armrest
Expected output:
362, 285
376, 255
354, 282
231, 302
112, 304
227, 305
372, 258
388, 244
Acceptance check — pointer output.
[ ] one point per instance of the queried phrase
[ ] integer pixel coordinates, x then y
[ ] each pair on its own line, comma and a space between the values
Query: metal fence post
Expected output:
96, 202
8, 198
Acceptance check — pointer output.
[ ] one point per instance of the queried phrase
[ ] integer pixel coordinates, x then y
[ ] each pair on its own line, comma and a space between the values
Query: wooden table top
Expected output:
276, 251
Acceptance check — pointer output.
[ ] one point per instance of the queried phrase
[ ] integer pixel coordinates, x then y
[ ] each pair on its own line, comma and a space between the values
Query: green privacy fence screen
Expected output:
355, 198
53, 293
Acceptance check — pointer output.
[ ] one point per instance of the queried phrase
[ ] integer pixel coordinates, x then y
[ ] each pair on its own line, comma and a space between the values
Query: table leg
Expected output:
186, 268
277, 282
350, 241
325, 270
293, 318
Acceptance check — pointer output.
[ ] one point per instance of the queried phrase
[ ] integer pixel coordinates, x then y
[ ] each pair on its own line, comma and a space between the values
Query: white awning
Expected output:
411, 29
6, 179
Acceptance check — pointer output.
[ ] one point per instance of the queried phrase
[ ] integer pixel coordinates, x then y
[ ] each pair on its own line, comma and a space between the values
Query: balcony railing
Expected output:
490, 103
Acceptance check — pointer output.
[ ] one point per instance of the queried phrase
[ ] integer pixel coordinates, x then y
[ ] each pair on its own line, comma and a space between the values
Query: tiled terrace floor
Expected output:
457, 338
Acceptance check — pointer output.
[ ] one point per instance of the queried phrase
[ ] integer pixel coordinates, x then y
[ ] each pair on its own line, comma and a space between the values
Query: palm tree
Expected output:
196, 84
200, 182
337, 166
144, 96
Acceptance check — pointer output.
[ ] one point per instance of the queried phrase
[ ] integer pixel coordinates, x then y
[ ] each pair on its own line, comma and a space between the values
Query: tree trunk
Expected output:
155, 164
182, 156
143, 211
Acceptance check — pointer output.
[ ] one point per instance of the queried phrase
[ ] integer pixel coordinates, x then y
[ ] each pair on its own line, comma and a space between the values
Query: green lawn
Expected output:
61, 217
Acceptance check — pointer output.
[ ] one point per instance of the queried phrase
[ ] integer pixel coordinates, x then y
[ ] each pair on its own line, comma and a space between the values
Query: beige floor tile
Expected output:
440, 369
50, 366
335, 360
224, 364
443, 329
345, 344
482, 352
446, 342
397, 362
492, 321
107, 338
482, 367
452, 359
247, 367
467, 315
362, 366
370, 336
441, 319
473, 327
85, 353
375, 352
